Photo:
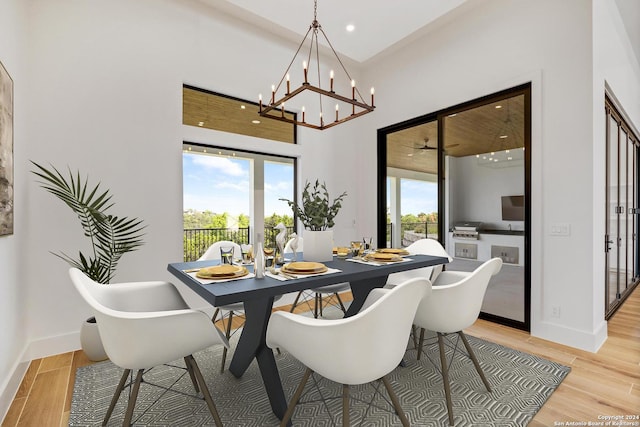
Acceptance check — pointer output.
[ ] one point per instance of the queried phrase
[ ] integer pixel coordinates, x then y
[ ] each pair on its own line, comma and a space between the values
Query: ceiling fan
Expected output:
424, 145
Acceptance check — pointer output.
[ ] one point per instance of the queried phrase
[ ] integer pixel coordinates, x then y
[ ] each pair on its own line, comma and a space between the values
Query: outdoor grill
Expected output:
466, 230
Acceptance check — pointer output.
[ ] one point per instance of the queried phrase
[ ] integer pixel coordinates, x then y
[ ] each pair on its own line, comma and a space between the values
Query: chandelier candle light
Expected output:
358, 106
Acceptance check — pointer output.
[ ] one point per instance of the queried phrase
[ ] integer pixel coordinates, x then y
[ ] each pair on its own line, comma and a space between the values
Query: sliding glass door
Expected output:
462, 176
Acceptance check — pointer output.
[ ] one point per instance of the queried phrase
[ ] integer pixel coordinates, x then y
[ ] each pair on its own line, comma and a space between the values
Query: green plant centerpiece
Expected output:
317, 215
110, 236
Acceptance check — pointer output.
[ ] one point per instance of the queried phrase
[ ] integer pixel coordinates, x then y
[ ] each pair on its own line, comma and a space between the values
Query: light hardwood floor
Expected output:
606, 383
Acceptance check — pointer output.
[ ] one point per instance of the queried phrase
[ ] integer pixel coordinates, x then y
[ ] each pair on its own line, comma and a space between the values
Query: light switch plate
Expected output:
560, 229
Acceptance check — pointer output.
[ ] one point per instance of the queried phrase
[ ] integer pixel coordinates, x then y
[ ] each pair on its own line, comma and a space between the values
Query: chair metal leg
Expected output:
295, 302
345, 405
421, 343
132, 399
445, 377
215, 314
472, 355
205, 390
315, 305
116, 395
414, 331
228, 335
344, 310
295, 398
191, 374
395, 401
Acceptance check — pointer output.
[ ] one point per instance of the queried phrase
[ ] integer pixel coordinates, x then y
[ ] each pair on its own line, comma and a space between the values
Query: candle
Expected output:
372, 92
303, 114
260, 101
273, 94
321, 121
331, 80
304, 67
353, 89
288, 84
282, 107
337, 108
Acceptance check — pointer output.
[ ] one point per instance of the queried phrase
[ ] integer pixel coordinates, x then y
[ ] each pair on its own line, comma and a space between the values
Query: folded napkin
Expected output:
376, 263
291, 276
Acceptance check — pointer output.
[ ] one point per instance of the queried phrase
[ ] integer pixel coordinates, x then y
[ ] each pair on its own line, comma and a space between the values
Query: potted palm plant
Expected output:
317, 216
110, 236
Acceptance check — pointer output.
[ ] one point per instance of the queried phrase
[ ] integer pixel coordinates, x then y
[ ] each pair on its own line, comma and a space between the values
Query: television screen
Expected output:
513, 208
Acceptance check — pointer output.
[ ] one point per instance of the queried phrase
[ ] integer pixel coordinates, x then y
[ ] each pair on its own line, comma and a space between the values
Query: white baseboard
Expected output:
53, 345
583, 340
12, 384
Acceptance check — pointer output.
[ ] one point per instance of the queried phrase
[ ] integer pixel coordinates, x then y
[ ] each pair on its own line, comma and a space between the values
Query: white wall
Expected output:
476, 192
13, 305
487, 46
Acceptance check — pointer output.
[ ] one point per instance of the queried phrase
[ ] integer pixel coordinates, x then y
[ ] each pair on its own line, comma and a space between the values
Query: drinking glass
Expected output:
368, 245
226, 255
356, 248
268, 256
247, 253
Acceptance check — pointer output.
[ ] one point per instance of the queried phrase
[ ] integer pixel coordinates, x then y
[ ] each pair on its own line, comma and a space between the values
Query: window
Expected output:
233, 195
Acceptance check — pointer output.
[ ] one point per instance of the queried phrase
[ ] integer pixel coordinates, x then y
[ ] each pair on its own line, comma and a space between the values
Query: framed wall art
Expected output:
6, 152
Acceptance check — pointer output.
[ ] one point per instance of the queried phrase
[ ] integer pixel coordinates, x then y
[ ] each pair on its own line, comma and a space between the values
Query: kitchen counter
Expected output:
504, 232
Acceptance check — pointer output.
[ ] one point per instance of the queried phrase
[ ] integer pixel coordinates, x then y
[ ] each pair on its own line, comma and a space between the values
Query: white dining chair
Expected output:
426, 246
353, 350
454, 304
146, 324
319, 300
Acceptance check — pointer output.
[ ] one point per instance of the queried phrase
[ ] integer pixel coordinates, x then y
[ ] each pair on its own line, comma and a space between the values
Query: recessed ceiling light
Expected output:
351, 27
509, 158
255, 122
410, 155
242, 107
200, 123
452, 115
498, 106
503, 136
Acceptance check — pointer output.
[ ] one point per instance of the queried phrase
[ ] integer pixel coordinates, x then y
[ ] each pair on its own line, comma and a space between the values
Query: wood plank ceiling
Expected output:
219, 112
493, 127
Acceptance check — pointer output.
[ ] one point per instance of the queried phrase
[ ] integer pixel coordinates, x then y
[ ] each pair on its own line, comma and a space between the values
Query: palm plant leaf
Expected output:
110, 236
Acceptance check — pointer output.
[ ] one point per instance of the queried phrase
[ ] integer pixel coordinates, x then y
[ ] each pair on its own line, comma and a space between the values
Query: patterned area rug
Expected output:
521, 384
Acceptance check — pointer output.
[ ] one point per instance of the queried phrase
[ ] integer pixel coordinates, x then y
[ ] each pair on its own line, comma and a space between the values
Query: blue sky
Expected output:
221, 184
417, 196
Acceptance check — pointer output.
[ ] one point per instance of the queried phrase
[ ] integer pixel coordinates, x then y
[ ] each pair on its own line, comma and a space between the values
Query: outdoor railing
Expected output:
197, 240
411, 231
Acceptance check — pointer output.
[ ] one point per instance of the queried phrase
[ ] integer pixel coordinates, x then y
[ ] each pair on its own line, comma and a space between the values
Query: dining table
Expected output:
257, 295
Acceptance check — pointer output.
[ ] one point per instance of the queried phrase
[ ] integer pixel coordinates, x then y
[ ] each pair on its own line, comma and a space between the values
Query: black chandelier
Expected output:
274, 108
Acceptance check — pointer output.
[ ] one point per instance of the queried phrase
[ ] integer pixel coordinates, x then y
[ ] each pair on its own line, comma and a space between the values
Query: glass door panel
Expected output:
412, 184
613, 223
485, 158
621, 243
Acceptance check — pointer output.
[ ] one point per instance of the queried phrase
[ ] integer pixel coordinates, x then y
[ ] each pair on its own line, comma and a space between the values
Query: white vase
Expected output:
318, 245
90, 341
